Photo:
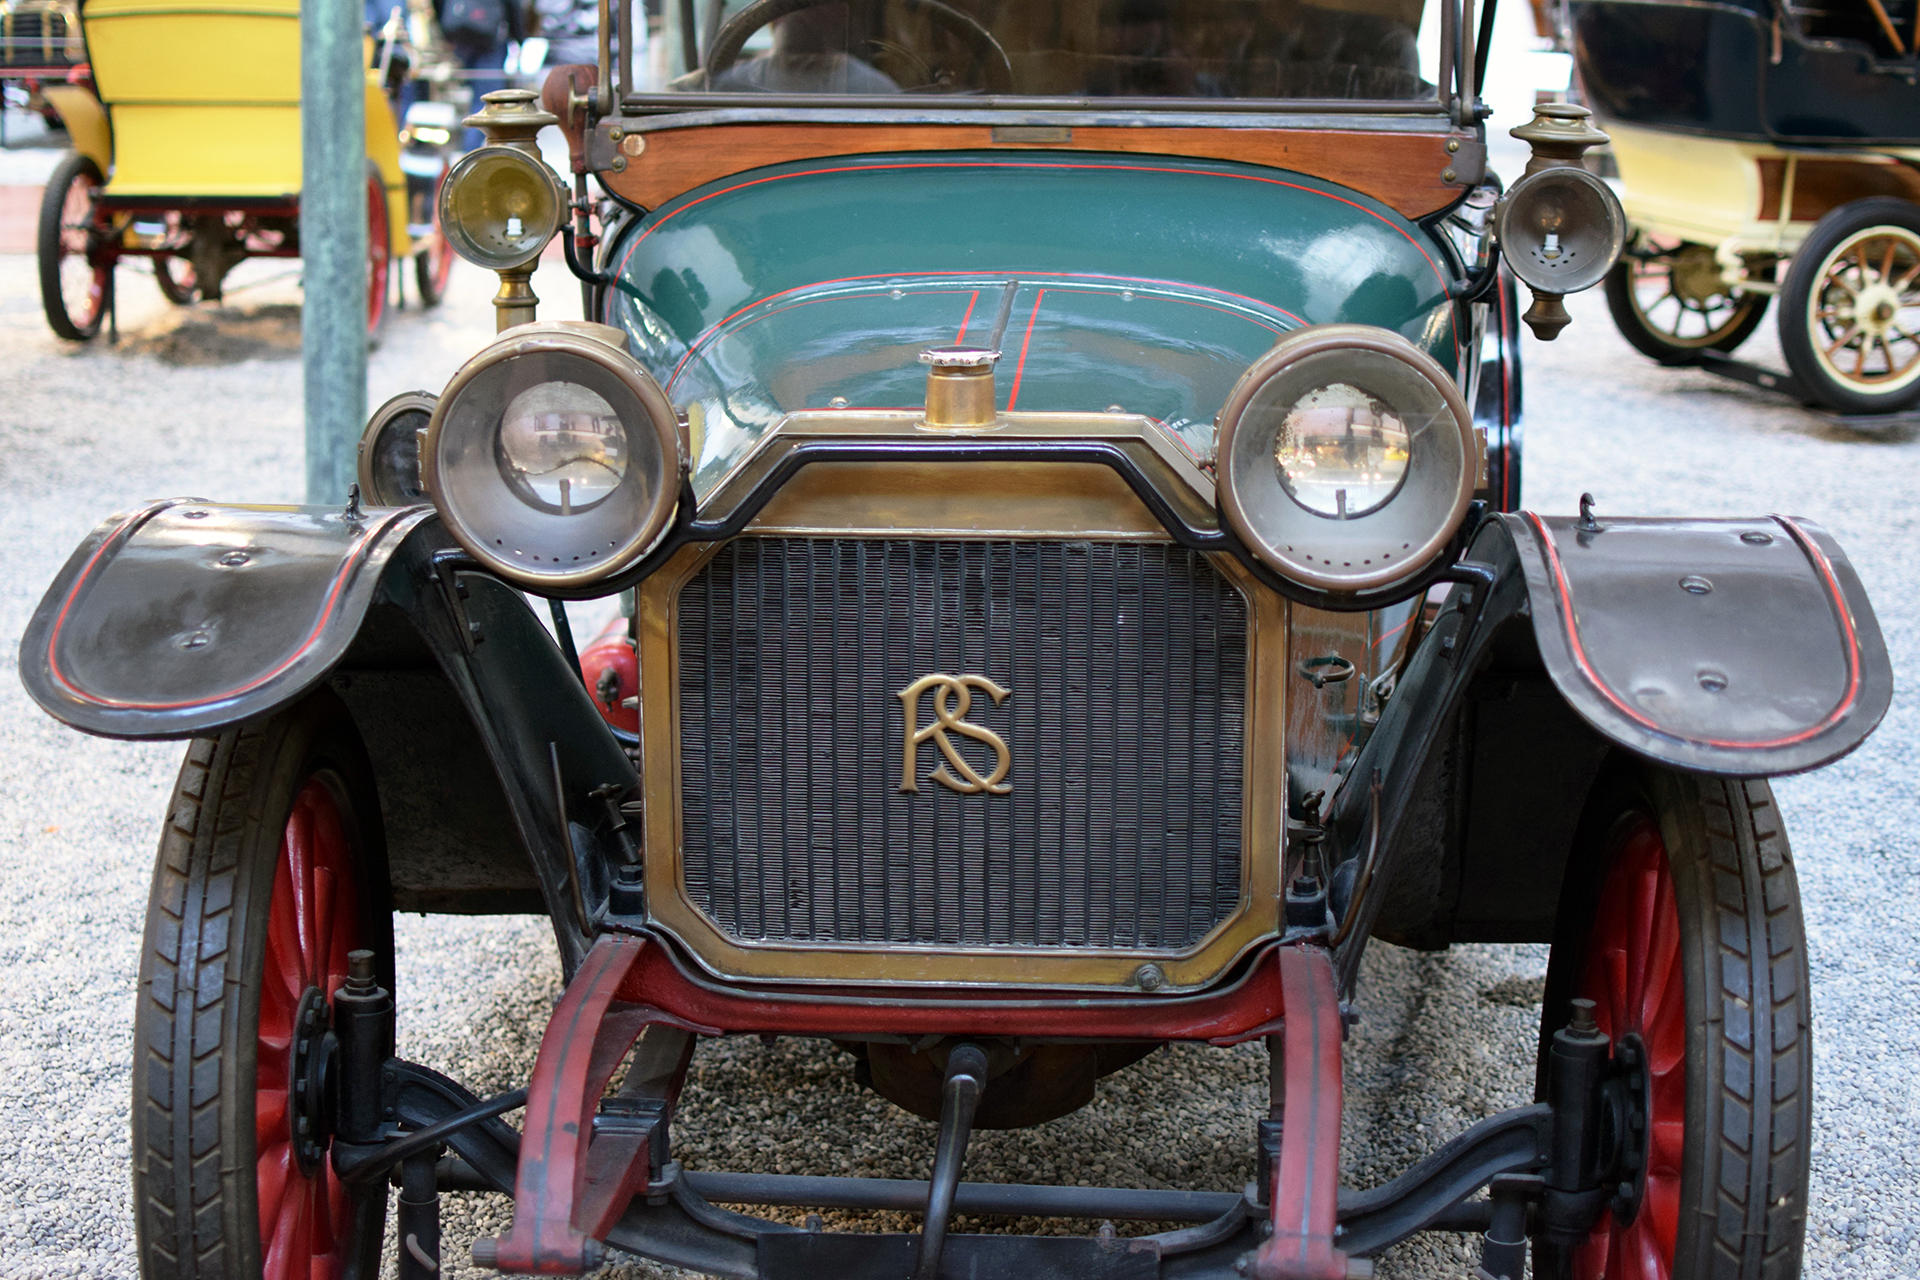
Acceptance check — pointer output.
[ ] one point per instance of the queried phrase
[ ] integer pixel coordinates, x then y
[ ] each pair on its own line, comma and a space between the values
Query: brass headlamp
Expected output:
500, 204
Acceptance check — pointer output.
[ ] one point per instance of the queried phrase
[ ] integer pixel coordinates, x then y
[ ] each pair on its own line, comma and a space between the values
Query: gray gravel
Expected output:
1444, 1040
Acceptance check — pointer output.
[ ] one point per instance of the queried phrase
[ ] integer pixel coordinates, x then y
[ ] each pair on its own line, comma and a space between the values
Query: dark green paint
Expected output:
1141, 282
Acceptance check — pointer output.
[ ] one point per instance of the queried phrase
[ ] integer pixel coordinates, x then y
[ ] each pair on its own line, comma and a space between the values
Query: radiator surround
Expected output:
998, 502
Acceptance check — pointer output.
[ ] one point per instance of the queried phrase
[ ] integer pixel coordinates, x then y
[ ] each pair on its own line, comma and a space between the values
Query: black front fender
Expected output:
1742, 647
183, 617
1737, 647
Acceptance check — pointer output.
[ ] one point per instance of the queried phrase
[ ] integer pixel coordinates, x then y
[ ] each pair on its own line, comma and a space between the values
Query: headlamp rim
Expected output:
1291, 349
368, 455
603, 346
443, 202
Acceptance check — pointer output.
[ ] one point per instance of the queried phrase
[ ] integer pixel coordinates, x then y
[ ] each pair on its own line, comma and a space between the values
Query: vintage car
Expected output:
1766, 150
186, 152
1064, 461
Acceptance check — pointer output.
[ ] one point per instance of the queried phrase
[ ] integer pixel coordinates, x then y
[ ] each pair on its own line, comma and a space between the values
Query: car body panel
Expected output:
783, 289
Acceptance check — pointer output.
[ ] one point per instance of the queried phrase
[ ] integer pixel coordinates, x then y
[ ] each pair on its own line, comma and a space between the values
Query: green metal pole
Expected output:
333, 241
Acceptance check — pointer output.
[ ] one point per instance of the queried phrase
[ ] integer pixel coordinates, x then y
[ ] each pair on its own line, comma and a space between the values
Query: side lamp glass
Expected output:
553, 457
499, 207
1347, 459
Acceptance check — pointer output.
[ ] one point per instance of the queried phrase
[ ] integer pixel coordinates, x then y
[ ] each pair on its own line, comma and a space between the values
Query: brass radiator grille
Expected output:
1124, 667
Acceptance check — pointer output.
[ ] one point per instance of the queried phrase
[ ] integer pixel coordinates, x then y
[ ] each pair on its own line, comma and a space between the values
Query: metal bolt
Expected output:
1695, 585
197, 640
1583, 1015
359, 968
1447, 174
198, 515
838, 402
486, 1252
1149, 977
1756, 538
616, 133
234, 559
1712, 681
1453, 145
816, 1224
619, 163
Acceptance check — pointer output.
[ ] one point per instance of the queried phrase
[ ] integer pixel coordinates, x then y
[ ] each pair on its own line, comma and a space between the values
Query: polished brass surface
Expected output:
952, 699
1030, 500
516, 303
513, 118
960, 390
983, 499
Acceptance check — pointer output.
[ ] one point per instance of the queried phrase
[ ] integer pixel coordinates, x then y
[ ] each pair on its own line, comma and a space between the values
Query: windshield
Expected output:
1202, 49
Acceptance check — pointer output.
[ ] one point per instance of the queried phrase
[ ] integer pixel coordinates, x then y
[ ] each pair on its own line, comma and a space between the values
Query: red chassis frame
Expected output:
573, 1185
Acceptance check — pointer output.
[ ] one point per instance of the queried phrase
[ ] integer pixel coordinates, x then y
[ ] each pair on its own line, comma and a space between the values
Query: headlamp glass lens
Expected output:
1341, 452
562, 448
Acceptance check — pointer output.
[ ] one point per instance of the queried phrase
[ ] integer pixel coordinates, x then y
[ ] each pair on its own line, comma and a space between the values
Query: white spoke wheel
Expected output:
1850, 309
271, 869
1680, 919
1670, 304
76, 275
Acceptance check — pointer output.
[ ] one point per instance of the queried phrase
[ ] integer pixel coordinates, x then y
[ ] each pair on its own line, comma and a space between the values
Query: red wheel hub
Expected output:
1633, 975
305, 1212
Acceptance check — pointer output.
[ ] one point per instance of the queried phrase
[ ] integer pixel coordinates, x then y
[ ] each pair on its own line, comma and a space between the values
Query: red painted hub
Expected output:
1634, 977
305, 1213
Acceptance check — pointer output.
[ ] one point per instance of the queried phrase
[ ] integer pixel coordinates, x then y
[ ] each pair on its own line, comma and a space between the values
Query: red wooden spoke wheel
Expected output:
271, 871
1633, 977
379, 250
313, 921
1680, 921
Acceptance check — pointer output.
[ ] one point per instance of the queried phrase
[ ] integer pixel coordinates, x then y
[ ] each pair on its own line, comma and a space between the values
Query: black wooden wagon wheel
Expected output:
270, 871
76, 273
1671, 304
1680, 921
1850, 309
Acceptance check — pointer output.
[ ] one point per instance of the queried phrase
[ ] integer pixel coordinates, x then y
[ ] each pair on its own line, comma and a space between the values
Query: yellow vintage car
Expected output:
186, 150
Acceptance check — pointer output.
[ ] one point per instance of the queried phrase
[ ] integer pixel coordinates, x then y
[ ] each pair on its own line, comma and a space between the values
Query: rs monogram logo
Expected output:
952, 699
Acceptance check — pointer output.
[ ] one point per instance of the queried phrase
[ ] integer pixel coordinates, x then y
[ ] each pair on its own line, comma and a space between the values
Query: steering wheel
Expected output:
729, 40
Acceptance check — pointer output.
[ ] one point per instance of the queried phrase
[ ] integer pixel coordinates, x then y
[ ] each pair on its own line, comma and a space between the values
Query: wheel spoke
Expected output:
283, 957
297, 853
1843, 339
274, 1186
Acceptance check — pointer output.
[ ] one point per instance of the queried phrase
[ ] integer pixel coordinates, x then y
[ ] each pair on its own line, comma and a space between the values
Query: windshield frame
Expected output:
1460, 71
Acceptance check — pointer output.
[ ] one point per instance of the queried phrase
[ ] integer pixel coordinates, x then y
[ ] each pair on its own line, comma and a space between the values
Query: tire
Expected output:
175, 276
1692, 875
226, 944
76, 286
1829, 346
1695, 313
379, 250
434, 264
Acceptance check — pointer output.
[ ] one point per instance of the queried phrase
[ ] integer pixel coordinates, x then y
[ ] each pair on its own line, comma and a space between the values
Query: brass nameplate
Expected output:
1032, 134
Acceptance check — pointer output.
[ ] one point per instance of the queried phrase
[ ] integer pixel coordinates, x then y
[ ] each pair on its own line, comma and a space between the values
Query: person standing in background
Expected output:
479, 31
572, 30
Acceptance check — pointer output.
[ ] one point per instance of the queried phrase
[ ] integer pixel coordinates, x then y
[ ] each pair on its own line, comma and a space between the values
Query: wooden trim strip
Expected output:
1400, 170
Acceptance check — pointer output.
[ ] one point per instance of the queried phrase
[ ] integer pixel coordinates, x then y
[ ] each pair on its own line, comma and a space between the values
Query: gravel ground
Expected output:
1444, 1039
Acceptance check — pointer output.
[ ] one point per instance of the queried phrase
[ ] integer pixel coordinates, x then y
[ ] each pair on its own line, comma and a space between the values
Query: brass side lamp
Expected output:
500, 204
1561, 228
